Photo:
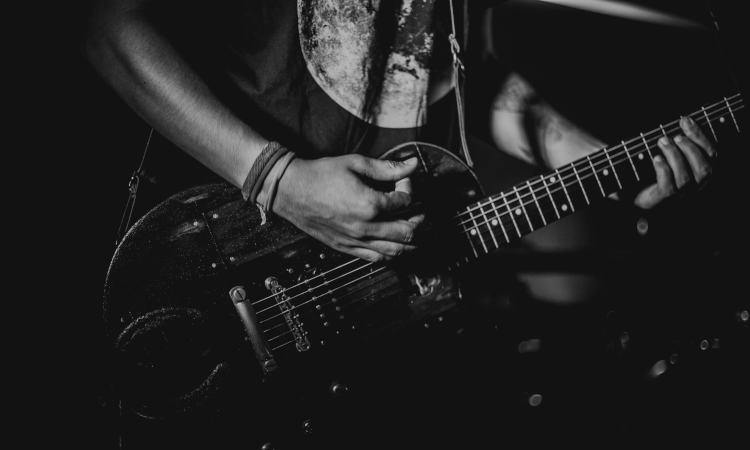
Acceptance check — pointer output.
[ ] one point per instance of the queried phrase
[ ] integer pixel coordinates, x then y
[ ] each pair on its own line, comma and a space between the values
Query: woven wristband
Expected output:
259, 171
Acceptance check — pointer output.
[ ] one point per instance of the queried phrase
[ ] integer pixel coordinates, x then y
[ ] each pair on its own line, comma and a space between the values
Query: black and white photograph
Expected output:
378, 224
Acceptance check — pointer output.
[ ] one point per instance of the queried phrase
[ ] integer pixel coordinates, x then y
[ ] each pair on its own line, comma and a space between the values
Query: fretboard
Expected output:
540, 201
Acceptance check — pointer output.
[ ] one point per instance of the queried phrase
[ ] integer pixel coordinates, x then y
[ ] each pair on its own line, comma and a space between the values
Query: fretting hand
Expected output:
686, 162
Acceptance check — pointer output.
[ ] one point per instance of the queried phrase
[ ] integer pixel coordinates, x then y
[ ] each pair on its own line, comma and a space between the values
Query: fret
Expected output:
593, 170
487, 223
585, 195
608, 181
606, 153
477, 231
498, 220
536, 201
558, 195
467, 233
630, 158
523, 207
513, 219
710, 125
729, 107
645, 142
562, 183
549, 194
662, 130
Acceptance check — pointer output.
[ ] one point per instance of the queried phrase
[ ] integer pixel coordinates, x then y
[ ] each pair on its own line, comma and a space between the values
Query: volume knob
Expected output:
338, 390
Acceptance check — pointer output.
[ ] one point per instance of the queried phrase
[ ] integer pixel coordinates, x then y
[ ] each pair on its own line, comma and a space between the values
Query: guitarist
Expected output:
277, 100
292, 102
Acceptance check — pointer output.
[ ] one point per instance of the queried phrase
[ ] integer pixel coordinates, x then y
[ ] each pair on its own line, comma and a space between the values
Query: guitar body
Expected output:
181, 346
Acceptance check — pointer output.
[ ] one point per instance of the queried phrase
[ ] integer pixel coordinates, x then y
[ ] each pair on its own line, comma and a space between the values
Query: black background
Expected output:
73, 146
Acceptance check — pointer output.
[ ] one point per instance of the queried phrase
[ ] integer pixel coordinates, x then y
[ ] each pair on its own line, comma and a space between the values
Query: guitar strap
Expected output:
458, 84
458, 78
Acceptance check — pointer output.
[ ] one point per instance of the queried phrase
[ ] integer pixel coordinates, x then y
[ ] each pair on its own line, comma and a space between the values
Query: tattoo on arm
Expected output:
515, 96
551, 129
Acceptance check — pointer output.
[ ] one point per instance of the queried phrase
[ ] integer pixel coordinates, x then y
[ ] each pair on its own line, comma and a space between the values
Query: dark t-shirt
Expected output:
295, 71
302, 81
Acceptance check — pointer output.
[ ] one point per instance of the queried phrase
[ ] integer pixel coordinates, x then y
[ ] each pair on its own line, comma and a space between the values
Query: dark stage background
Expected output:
682, 283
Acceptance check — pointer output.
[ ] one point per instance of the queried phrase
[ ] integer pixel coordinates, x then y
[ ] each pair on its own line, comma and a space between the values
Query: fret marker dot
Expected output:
518, 211
473, 232
606, 172
721, 119
564, 207
494, 222
640, 156
551, 179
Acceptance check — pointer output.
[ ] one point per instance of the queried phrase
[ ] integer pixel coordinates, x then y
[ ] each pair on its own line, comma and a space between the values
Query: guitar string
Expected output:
348, 305
348, 313
722, 105
587, 173
385, 276
601, 153
307, 281
489, 220
543, 195
466, 231
309, 290
321, 297
315, 298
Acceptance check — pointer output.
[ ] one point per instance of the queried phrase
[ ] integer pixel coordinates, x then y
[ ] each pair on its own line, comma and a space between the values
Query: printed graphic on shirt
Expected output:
335, 36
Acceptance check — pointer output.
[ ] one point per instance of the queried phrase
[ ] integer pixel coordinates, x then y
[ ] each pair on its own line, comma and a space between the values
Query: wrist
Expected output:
267, 193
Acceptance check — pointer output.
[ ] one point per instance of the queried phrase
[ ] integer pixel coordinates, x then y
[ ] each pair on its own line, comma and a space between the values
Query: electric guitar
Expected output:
204, 290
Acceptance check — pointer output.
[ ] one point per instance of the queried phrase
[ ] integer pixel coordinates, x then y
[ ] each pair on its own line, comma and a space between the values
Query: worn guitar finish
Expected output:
194, 270
167, 296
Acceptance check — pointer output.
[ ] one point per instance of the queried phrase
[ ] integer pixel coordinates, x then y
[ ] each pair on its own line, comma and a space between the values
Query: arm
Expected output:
525, 126
325, 198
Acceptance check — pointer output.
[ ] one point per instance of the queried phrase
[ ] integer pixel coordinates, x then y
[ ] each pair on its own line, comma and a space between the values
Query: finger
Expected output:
392, 202
659, 191
677, 163
388, 248
399, 231
366, 254
696, 158
694, 132
403, 185
383, 169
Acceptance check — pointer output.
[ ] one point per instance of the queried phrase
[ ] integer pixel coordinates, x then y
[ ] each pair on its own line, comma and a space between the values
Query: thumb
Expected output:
384, 170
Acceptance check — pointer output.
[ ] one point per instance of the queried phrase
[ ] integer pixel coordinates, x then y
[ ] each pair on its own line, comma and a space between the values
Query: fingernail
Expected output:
679, 138
411, 161
664, 140
685, 121
658, 159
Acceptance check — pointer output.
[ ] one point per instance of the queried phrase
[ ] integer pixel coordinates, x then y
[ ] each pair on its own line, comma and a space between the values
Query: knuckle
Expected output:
358, 231
682, 182
703, 173
396, 250
369, 209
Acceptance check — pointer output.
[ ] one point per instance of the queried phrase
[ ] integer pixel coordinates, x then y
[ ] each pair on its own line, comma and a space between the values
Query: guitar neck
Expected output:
539, 201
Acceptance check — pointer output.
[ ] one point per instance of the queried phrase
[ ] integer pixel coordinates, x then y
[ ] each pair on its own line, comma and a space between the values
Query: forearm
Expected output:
522, 124
143, 67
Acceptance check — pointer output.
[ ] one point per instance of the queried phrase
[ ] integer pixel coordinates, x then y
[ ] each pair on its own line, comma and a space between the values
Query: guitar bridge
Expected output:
292, 319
